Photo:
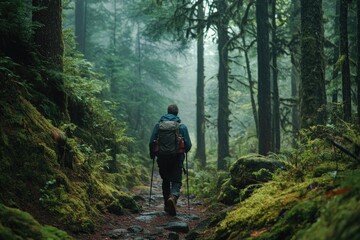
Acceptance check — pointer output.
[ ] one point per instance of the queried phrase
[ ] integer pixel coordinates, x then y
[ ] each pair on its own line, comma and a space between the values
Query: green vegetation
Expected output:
64, 173
16, 225
311, 192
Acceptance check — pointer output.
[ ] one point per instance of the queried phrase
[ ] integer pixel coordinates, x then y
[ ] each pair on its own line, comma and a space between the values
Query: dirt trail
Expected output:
152, 223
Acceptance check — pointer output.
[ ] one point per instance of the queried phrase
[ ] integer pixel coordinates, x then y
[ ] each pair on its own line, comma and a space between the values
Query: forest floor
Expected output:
152, 223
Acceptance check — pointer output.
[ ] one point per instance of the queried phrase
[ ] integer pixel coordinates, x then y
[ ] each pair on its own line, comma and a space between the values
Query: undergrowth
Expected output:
314, 196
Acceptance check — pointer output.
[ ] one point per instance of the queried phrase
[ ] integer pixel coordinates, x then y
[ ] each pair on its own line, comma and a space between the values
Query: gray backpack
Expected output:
169, 141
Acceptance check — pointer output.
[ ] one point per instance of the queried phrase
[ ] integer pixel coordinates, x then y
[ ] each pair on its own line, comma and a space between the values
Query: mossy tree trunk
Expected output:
223, 111
48, 38
344, 58
264, 98
200, 96
312, 85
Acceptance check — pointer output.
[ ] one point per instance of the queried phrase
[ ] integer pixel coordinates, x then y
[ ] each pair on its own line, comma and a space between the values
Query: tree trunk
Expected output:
295, 69
344, 54
358, 59
200, 96
80, 25
264, 97
48, 38
223, 111
312, 85
251, 86
335, 71
276, 100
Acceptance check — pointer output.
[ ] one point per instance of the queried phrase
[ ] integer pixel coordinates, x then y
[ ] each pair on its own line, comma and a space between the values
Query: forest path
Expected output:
152, 223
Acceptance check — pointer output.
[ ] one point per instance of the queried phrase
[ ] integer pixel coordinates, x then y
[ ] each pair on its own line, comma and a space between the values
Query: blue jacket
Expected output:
182, 128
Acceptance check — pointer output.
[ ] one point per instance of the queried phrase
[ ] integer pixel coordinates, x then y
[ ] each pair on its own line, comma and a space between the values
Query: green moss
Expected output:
228, 193
263, 208
116, 208
339, 220
15, 224
300, 216
340, 214
73, 197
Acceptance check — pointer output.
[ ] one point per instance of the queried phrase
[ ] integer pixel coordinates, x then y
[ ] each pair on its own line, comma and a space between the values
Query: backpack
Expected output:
169, 141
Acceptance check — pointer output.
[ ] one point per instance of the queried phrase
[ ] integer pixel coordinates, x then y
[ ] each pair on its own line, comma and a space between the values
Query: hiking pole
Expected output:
187, 181
152, 176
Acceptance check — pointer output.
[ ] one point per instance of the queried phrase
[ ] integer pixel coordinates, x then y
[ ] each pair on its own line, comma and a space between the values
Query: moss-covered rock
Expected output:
264, 208
248, 170
17, 225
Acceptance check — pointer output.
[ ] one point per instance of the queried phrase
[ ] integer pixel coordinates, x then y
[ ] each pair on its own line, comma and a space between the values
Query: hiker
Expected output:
170, 154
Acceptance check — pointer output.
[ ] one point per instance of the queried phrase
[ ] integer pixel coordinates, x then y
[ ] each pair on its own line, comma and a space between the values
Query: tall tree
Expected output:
295, 69
80, 24
344, 56
251, 85
335, 71
200, 97
264, 97
275, 70
48, 38
312, 85
223, 111
358, 58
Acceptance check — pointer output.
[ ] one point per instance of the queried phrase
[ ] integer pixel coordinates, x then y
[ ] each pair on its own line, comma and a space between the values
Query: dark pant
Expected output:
170, 169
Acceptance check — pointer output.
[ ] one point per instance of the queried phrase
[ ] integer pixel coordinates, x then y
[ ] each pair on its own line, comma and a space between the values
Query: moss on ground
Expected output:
317, 208
276, 210
18, 225
33, 178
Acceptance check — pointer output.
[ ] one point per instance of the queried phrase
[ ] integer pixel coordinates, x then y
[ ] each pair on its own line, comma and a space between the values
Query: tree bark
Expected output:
295, 69
276, 100
48, 38
358, 58
251, 86
344, 54
223, 111
312, 85
335, 72
200, 96
264, 97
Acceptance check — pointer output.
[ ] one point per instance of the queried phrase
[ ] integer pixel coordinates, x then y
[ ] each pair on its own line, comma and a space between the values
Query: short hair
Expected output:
173, 109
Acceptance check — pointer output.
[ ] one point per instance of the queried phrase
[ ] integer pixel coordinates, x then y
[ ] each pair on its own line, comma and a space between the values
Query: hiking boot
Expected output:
171, 204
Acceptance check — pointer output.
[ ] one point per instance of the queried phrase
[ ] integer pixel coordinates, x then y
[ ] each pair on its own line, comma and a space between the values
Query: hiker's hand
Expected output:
152, 155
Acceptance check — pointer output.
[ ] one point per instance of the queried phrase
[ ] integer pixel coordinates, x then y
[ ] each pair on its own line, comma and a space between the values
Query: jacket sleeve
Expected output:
186, 136
152, 139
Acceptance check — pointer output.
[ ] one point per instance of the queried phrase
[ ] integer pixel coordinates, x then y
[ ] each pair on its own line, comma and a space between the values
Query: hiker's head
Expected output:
173, 109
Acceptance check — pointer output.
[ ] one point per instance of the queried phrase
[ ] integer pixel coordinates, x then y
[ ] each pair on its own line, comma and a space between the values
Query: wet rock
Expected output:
117, 233
188, 217
176, 227
135, 229
149, 216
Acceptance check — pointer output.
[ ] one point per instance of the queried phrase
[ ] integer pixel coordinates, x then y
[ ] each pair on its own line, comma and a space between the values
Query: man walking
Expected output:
170, 141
